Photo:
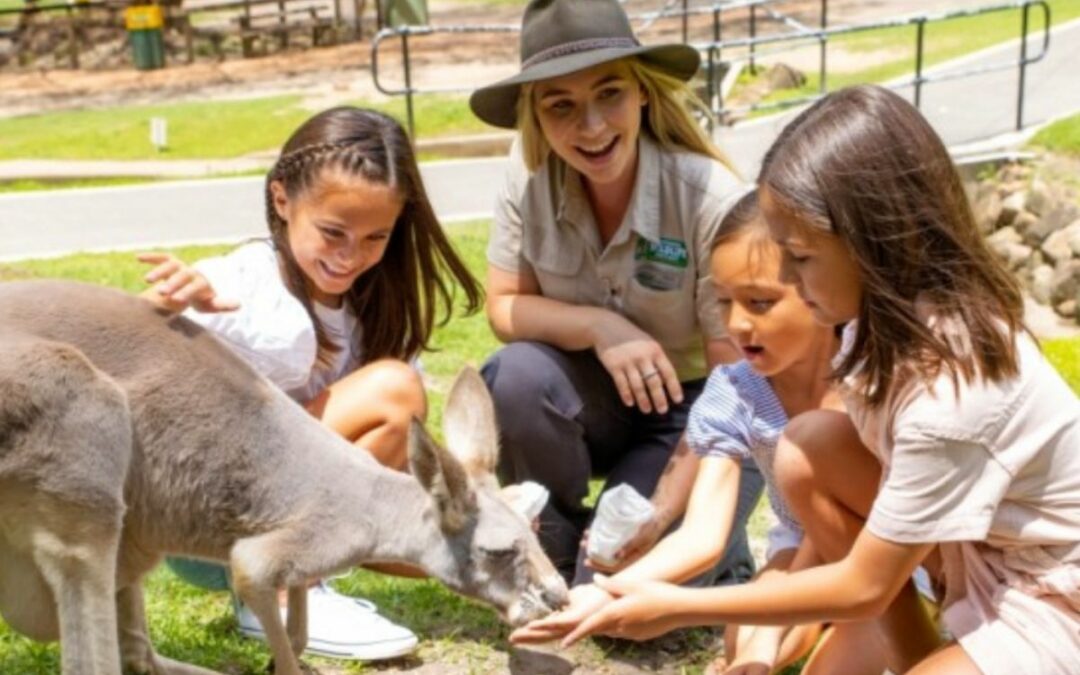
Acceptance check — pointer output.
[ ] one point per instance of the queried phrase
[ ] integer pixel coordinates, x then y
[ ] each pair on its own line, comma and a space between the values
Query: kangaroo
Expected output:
127, 434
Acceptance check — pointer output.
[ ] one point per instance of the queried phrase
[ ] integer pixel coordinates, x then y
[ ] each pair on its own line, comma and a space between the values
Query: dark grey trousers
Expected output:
561, 422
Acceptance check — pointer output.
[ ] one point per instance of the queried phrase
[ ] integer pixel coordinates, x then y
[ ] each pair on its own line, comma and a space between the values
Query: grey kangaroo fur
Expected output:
126, 435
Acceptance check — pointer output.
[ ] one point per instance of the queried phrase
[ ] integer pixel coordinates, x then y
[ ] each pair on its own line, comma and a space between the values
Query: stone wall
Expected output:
1032, 221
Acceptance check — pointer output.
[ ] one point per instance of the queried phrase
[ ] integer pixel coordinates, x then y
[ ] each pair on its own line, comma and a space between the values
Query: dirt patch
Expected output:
331, 74
671, 654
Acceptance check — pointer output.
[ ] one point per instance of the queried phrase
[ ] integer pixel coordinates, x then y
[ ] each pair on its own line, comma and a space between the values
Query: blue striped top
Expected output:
738, 416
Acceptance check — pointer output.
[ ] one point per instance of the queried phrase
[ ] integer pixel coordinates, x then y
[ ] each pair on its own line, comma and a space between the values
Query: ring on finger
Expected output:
651, 373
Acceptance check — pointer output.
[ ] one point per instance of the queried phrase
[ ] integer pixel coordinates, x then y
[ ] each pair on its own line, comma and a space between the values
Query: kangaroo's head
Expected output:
496, 556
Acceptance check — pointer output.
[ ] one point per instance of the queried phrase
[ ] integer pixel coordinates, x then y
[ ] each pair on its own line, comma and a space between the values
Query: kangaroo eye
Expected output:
498, 553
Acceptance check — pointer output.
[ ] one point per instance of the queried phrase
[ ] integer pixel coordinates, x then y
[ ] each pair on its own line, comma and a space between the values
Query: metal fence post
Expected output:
1023, 67
685, 22
822, 86
920, 29
408, 83
753, 36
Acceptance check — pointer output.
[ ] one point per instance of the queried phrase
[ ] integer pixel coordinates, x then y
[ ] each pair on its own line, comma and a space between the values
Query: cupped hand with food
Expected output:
584, 601
641, 610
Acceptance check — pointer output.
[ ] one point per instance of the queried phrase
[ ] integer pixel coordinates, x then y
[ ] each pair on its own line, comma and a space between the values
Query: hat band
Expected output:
579, 46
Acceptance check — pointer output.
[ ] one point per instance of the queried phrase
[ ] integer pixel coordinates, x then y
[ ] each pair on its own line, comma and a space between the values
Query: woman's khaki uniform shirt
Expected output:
655, 269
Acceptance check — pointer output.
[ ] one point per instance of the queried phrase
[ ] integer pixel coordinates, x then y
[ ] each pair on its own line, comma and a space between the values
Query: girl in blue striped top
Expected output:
740, 415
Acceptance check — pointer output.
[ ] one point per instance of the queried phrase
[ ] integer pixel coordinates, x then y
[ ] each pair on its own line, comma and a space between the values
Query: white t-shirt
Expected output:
271, 330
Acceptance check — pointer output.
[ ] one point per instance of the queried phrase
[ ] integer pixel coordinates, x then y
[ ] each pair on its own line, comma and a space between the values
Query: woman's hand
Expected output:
637, 363
585, 600
179, 286
642, 610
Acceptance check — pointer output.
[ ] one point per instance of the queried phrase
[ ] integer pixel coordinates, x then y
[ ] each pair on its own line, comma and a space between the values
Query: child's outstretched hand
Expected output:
585, 600
642, 610
178, 286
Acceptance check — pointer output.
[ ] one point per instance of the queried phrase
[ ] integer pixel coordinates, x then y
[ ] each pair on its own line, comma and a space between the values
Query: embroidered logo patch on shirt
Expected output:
660, 265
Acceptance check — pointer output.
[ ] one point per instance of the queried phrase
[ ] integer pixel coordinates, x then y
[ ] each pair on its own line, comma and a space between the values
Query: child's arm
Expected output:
702, 537
693, 548
669, 501
178, 286
858, 587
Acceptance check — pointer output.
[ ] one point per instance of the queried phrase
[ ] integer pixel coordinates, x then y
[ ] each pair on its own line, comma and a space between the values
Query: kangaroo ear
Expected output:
469, 424
442, 476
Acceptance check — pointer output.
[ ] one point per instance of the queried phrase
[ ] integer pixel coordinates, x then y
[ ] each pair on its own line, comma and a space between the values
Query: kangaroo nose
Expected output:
555, 598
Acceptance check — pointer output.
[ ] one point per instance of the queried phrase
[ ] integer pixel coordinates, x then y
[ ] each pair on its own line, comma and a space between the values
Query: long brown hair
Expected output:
865, 166
396, 301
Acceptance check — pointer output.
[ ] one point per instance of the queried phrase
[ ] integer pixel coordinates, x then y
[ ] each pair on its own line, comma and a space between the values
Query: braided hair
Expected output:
396, 301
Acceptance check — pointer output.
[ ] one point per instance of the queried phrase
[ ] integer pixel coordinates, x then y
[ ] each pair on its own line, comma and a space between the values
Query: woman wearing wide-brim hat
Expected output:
598, 272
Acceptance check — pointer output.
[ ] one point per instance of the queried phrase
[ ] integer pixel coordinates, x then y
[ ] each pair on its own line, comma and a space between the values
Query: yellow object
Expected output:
143, 17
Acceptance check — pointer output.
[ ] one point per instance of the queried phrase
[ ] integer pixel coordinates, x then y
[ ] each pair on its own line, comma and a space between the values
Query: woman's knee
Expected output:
521, 377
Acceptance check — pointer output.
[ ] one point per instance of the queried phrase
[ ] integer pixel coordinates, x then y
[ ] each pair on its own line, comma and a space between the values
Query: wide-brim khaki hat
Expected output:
559, 37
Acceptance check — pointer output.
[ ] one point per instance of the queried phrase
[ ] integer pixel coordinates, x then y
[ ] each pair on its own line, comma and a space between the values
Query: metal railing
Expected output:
714, 53
718, 46
404, 33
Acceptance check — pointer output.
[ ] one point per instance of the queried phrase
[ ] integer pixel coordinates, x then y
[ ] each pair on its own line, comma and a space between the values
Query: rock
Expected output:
783, 76
1056, 246
1042, 280
1024, 222
1007, 187
1053, 220
1016, 255
1011, 207
1073, 235
1006, 235
1067, 308
1039, 198
1066, 281
988, 212
1014, 171
1036, 260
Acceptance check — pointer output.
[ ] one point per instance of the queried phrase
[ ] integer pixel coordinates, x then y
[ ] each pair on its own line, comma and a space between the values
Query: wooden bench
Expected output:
259, 22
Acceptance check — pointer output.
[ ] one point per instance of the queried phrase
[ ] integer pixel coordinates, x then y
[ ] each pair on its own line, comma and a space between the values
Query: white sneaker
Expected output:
340, 627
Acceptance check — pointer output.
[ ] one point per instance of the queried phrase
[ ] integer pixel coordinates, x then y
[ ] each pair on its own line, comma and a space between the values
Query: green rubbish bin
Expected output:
395, 13
143, 24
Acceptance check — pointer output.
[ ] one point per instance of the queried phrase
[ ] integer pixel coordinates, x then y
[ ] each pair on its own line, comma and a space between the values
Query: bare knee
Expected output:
812, 442
401, 398
401, 391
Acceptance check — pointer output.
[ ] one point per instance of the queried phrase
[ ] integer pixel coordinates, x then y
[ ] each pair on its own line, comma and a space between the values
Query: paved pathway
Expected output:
42, 224
53, 223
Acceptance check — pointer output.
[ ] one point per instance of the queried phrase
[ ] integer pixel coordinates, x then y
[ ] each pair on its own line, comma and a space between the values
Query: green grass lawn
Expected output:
196, 625
942, 41
1062, 136
200, 129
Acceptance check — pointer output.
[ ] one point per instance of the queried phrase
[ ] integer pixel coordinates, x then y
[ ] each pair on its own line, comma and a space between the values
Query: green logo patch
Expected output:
667, 251
660, 266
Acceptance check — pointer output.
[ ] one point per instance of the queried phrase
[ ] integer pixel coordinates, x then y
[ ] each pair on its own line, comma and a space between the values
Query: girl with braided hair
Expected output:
332, 307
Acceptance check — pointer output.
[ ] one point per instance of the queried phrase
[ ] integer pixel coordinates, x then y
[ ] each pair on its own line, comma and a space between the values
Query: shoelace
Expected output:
331, 595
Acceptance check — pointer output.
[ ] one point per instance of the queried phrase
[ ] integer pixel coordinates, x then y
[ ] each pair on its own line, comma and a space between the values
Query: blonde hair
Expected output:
669, 117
